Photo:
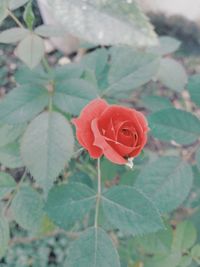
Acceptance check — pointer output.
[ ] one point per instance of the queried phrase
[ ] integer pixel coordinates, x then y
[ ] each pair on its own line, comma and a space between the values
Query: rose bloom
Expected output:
119, 133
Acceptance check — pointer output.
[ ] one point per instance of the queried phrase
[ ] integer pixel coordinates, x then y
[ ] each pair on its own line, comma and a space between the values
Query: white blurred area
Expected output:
189, 9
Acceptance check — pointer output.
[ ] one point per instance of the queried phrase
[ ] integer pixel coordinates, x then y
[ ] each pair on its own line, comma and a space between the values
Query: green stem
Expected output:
10, 13
46, 65
98, 197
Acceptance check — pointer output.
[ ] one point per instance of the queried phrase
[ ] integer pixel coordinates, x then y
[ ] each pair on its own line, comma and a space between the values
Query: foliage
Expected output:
130, 218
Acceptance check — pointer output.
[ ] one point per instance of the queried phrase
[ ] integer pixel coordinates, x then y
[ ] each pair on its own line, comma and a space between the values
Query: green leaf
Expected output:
156, 103
198, 158
27, 208
9, 133
105, 22
72, 95
22, 104
67, 204
185, 236
130, 69
175, 125
13, 35
47, 146
66, 72
166, 260
167, 45
14, 4
130, 211
162, 179
172, 74
193, 87
4, 236
7, 184
3, 10
49, 31
34, 77
93, 249
186, 260
10, 156
195, 252
29, 16
155, 243
31, 50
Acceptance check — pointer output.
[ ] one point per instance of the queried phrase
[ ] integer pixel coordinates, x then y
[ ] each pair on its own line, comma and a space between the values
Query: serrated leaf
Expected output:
14, 4
13, 35
9, 133
198, 158
175, 125
67, 204
130, 211
185, 261
27, 208
7, 184
193, 87
162, 179
49, 31
68, 71
93, 249
47, 146
195, 252
10, 156
185, 236
130, 69
172, 74
72, 95
4, 235
167, 45
22, 104
34, 77
31, 50
105, 22
29, 16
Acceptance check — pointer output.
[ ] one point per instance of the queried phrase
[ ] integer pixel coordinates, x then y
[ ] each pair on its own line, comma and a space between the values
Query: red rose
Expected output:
117, 132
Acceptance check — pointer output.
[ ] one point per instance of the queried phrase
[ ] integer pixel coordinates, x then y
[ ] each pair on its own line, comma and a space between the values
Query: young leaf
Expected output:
14, 4
4, 235
106, 22
67, 204
130, 211
31, 50
7, 184
162, 179
167, 45
22, 104
29, 16
172, 74
175, 125
185, 236
193, 87
130, 69
49, 31
13, 35
27, 208
72, 95
93, 249
10, 156
47, 146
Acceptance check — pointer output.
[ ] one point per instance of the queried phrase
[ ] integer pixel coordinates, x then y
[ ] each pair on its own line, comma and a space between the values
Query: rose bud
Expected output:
119, 133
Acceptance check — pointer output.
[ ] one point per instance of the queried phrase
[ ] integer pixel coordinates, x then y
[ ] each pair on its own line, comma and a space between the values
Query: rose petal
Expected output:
108, 151
83, 126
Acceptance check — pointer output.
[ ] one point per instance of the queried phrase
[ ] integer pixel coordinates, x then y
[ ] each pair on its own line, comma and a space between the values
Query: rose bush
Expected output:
119, 133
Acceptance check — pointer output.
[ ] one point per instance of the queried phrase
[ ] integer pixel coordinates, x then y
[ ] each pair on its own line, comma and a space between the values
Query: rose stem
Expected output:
98, 193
